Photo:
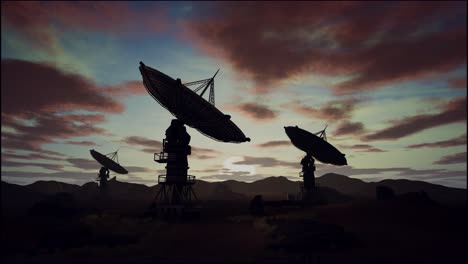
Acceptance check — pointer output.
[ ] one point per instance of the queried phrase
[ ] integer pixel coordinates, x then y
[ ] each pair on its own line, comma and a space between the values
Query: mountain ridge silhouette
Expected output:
274, 187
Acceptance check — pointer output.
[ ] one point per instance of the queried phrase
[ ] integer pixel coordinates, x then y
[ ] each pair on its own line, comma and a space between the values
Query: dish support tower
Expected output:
175, 193
307, 191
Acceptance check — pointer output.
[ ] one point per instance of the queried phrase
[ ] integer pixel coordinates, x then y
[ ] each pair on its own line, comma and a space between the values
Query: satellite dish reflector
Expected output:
315, 145
189, 107
108, 162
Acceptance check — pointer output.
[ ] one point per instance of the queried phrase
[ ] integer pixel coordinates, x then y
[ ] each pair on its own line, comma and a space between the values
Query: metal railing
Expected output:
161, 157
190, 178
163, 179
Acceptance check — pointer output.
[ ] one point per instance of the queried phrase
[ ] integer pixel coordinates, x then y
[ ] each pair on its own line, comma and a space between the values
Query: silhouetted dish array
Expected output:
189, 107
315, 146
107, 162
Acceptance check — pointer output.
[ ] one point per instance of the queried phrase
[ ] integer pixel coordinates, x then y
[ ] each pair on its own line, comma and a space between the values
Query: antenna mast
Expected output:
205, 84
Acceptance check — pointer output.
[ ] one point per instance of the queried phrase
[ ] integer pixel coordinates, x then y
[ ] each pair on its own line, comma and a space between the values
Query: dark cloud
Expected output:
151, 151
453, 112
331, 111
349, 128
362, 148
375, 43
204, 151
432, 173
373, 150
84, 164
151, 146
266, 162
215, 170
31, 156
136, 169
38, 108
203, 157
459, 83
81, 143
140, 180
407, 60
357, 146
37, 21
458, 141
55, 167
127, 88
452, 159
155, 146
255, 111
47, 129
276, 143
59, 91
235, 175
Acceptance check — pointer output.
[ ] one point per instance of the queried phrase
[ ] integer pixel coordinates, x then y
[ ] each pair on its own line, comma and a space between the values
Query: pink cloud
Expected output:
459, 83
458, 141
363, 148
47, 89
375, 43
37, 107
453, 112
31, 156
48, 128
154, 145
277, 143
33, 20
255, 111
48, 166
452, 159
267, 162
81, 143
407, 60
331, 111
127, 88
349, 128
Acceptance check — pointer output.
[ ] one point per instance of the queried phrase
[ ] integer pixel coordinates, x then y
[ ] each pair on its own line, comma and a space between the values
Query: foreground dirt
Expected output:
355, 232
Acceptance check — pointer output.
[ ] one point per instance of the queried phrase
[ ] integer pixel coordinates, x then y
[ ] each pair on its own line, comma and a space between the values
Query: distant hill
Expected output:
52, 187
271, 187
359, 188
333, 185
16, 197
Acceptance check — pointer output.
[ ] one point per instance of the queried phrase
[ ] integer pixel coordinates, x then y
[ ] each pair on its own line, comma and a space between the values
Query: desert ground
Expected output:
102, 228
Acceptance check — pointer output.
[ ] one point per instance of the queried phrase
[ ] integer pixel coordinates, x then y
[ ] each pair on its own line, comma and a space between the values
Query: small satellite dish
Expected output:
191, 108
315, 145
109, 161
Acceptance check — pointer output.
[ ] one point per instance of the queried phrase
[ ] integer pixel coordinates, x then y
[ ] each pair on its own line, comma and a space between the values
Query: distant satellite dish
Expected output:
108, 161
189, 107
315, 145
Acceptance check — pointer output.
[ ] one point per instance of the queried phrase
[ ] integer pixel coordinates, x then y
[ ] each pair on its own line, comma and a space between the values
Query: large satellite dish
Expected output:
109, 161
315, 145
189, 107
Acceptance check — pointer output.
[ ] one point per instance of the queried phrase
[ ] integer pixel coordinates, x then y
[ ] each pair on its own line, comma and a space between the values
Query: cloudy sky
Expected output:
388, 78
